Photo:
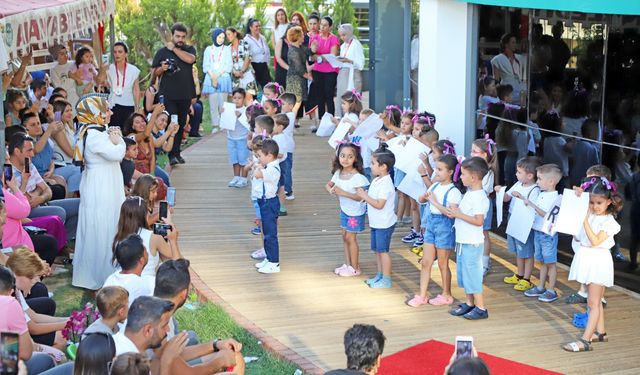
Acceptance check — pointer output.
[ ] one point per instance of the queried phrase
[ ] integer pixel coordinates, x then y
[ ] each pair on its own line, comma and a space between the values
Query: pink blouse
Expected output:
18, 208
324, 47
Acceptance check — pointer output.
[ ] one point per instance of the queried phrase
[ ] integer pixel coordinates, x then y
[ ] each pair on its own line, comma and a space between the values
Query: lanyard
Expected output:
348, 46
513, 70
261, 45
124, 75
219, 54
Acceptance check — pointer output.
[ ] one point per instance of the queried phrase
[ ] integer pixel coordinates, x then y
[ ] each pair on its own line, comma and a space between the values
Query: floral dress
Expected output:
296, 82
238, 56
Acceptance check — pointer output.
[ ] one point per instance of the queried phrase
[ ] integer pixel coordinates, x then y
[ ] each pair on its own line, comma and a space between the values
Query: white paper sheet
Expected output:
368, 127
244, 121
228, 116
408, 156
549, 226
412, 185
333, 60
326, 127
338, 135
500, 204
521, 221
572, 212
373, 143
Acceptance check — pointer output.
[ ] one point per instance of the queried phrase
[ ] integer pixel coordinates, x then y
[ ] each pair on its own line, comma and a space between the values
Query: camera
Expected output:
173, 67
161, 229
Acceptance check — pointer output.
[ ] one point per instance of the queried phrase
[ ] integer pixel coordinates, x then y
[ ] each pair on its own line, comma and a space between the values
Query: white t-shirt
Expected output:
123, 344
382, 188
121, 84
530, 192
288, 131
598, 223
134, 284
488, 182
473, 203
283, 143
543, 201
270, 179
256, 185
348, 205
440, 191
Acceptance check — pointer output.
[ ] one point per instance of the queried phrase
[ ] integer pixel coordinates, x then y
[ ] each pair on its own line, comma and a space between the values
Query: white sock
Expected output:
485, 261
582, 294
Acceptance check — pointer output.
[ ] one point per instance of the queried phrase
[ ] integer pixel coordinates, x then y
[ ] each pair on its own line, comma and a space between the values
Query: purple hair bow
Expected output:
357, 95
490, 143
594, 180
448, 149
456, 174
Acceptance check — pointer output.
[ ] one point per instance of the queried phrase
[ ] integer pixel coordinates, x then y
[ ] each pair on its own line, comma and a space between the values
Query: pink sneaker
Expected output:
348, 271
337, 270
417, 301
259, 254
441, 300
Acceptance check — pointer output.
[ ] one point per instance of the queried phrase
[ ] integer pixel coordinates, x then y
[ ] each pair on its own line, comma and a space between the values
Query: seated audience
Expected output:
113, 305
132, 257
363, 345
95, 353
131, 364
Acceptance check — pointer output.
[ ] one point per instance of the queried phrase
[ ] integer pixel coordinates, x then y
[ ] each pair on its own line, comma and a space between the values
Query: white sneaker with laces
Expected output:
270, 268
242, 182
233, 182
259, 254
262, 264
290, 197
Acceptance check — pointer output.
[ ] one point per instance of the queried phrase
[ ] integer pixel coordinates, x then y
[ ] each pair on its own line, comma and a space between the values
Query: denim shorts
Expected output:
424, 215
440, 231
546, 247
398, 177
257, 207
367, 173
381, 239
522, 250
469, 267
238, 151
488, 218
352, 224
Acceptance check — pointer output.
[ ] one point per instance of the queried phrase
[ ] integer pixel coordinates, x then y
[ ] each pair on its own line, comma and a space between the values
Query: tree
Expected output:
228, 13
293, 5
261, 6
315, 6
343, 13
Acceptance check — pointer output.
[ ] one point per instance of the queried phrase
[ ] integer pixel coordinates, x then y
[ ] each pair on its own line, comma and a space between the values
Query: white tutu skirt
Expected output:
592, 265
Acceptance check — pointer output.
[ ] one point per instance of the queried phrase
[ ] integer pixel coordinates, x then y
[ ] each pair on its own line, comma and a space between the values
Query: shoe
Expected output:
338, 269
181, 159
461, 309
417, 301
575, 298
548, 296
289, 196
416, 249
580, 319
523, 285
421, 253
314, 129
242, 182
259, 254
409, 238
534, 292
419, 241
174, 161
372, 280
283, 212
270, 268
197, 135
256, 231
349, 272
618, 256
441, 300
233, 182
383, 283
514, 279
476, 314
262, 263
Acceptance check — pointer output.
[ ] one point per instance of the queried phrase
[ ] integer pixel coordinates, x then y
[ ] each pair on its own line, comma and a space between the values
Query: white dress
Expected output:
102, 191
149, 271
594, 264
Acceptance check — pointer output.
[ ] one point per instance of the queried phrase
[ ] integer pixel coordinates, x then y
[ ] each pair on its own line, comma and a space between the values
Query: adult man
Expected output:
147, 325
363, 345
60, 75
173, 65
172, 284
132, 257
39, 98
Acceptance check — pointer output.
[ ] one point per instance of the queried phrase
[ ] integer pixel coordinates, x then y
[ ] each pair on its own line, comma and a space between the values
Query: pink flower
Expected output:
352, 222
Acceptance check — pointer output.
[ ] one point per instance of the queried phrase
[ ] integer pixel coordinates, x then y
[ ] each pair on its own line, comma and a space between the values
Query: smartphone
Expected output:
27, 165
464, 346
171, 196
161, 99
164, 209
9, 350
7, 172
174, 119
57, 116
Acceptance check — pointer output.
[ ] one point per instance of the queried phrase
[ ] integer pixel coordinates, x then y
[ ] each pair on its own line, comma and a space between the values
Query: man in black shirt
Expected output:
173, 66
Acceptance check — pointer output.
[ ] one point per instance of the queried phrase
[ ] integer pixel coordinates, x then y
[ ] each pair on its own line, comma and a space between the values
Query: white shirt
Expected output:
353, 51
473, 203
382, 188
269, 180
488, 182
598, 223
543, 201
258, 48
440, 191
121, 84
123, 344
256, 185
60, 78
288, 131
530, 192
283, 145
134, 284
34, 178
348, 205
217, 59
512, 72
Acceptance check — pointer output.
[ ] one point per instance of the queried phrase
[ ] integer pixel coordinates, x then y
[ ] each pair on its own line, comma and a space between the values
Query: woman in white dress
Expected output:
352, 58
217, 66
101, 189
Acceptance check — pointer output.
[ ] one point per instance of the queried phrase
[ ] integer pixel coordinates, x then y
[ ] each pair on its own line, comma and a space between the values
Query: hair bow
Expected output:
356, 140
456, 174
356, 94
609, 184
448, 149
277, 87
278, 102
390, 109
490, 143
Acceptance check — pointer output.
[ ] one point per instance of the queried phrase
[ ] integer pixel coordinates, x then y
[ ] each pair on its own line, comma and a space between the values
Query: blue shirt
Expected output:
42, 160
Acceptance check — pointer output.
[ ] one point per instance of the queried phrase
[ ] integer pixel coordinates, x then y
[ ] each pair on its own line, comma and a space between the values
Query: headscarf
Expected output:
347, 28
92, 109
215, 35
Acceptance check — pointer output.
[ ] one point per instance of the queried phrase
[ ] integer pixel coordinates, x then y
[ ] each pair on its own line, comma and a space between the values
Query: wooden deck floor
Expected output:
308, 308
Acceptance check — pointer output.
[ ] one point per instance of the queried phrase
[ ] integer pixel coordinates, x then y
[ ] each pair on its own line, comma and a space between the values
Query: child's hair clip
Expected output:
490, 143
356, 94
456, 174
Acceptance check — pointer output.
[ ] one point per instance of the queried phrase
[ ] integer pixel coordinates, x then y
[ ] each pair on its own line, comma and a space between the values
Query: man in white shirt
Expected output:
132, 258
60, 75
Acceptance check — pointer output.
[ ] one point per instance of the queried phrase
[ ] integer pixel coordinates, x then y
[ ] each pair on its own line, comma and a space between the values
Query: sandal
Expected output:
599, 337
574, 346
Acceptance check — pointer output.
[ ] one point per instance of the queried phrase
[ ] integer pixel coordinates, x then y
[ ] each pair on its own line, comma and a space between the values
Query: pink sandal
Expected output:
348, 271
441, 300
417, 301
338, 269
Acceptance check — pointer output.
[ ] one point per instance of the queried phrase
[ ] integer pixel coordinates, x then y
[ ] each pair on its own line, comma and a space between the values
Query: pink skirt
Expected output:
54, 227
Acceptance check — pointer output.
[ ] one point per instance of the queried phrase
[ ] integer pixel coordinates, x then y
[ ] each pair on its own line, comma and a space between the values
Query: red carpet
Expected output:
431, 357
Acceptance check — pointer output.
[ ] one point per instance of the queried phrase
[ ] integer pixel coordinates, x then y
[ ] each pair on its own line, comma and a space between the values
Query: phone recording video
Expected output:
171, 196
9, 349
57, 116
164, 209
7, 172
27, 165
464, 346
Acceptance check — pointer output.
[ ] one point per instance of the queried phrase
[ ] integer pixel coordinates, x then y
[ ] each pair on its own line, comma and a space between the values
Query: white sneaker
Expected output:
233, 182
270, 268
242, 182
290, 197
259, 254
262, 264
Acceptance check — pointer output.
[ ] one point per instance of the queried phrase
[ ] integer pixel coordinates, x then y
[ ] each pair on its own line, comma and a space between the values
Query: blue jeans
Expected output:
159, 172
288, 173
269, 210
72, 175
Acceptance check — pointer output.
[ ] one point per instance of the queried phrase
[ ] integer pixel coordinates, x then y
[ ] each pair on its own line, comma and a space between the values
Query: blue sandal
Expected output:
580, 319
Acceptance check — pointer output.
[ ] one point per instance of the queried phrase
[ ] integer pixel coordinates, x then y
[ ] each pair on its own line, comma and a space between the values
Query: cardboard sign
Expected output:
228, 116
500, 204
573, 210
520, 221
551, 218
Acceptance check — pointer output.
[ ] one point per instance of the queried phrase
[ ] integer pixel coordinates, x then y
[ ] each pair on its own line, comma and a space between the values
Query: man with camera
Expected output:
173, 66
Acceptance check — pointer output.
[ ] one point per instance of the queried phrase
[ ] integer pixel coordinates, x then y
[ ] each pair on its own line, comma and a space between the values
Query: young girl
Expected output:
271, 90
404, 202
439, 237
85, 72
391, 121
272, 107
146, 187
382, 219
351, 107
592, 264
16, 101
485, 148
348, 175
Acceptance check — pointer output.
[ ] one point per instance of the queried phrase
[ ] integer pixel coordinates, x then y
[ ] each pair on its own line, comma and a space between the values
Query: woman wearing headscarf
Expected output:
102, 191
352, 58
217, 66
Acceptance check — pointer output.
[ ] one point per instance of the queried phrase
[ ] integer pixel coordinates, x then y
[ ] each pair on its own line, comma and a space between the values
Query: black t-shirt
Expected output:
179, 85
127, 167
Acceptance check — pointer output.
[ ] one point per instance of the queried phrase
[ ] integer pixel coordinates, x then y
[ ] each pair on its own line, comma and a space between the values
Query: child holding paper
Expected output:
469, 218
237, 142
545, 245
281, 123
592, 264
351, 107
289, 109
272, 106
525, 188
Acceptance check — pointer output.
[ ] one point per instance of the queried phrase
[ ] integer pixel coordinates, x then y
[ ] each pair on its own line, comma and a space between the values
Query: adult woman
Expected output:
280, 24
101, 191
241, 73
217, 65
323, 87
133, 220
63, 144
352, 58
297, 74
163, 134
314, 24
509, 67
95, 353
259, 51
281, 50
122, 79
298, 19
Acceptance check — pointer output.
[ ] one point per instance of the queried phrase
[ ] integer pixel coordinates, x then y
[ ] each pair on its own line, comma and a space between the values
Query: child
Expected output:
127, 165
404, 202
268, 172
469, 218
347, 177
272, 106
85, 72
592, 264
439, 236
250, 98
271, 90
351, 107
236, 142
281, 123
113, 305
391, 119
256, 193
382, 219
288, 108
485, 148
365, 151
525, 188
146, 187
545, 245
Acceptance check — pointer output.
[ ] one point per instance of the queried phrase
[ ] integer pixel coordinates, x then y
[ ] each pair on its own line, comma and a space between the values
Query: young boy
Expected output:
525, 188
113, 305
288, 104
127, 165
268, 172
469, 217
545, 245
281, 122
237, 142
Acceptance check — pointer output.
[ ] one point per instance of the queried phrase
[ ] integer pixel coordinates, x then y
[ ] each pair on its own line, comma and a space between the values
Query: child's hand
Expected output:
337, 191
517, 194
335, 120
431, 197
423, 198
453, 212
497, 188
578, 190
422, 169
424, 157
360, 192
329, 187
526, 201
